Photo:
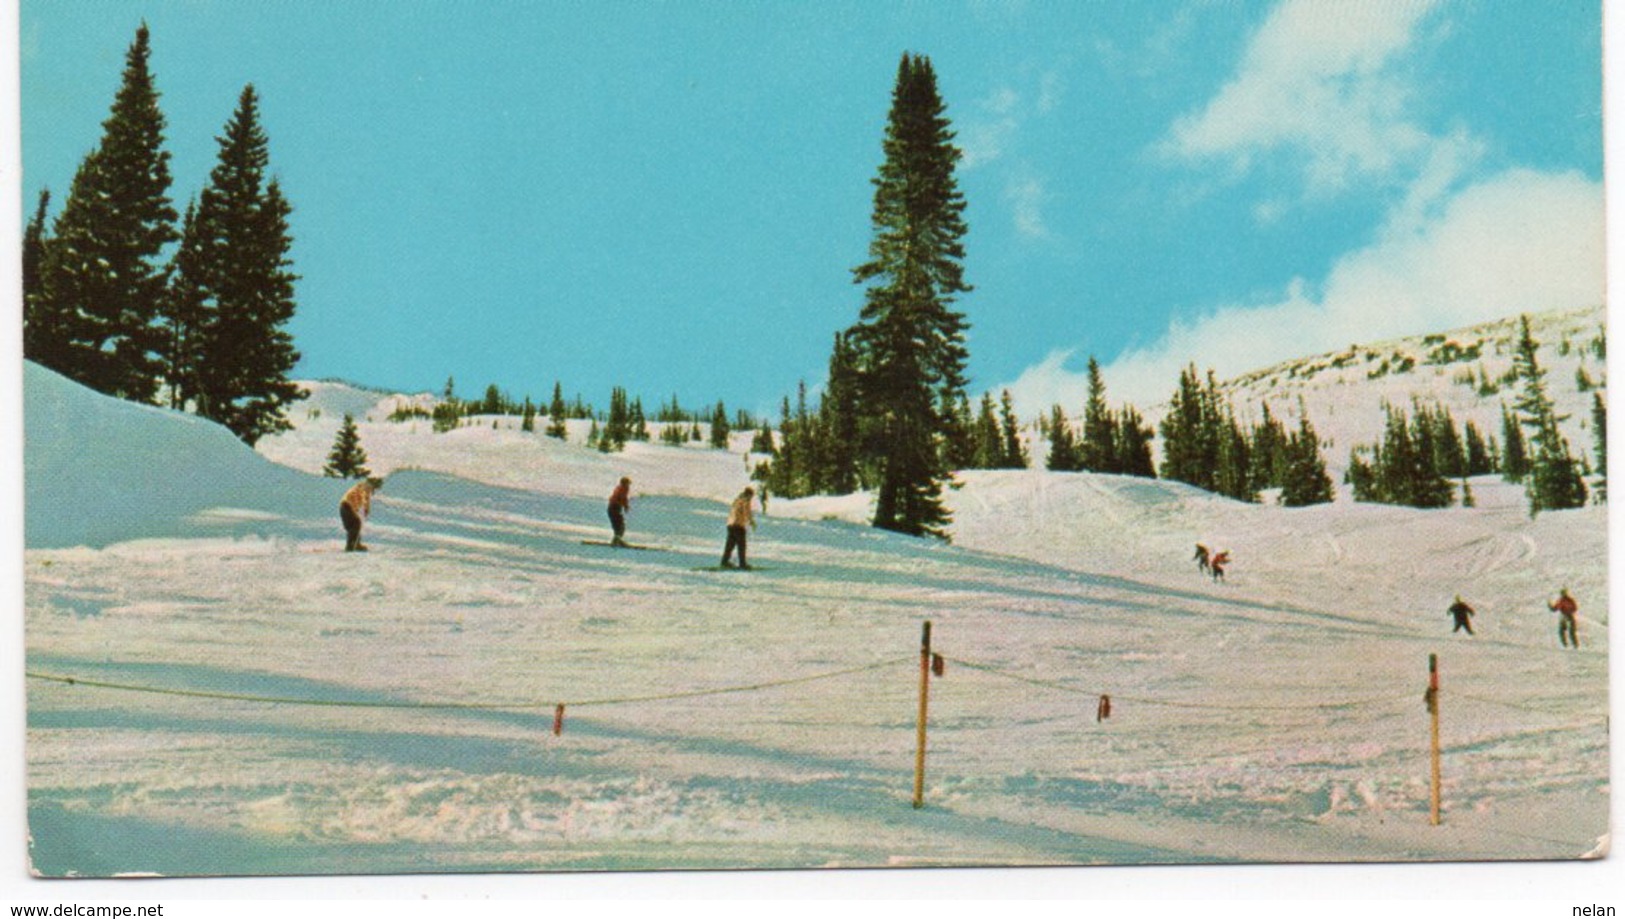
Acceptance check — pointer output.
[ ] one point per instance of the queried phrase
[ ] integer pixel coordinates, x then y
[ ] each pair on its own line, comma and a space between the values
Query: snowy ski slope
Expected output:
765, 719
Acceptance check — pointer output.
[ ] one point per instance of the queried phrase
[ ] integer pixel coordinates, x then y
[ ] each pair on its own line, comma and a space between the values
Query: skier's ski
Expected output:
624, 545
730, 568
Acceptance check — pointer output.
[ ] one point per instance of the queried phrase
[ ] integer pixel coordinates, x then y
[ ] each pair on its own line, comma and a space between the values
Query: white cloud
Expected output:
1025, 196
987, 135
1522, 241
1321, 80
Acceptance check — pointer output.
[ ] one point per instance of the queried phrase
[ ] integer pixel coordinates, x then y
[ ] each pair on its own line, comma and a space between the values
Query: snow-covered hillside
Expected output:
394, 710
1466, 370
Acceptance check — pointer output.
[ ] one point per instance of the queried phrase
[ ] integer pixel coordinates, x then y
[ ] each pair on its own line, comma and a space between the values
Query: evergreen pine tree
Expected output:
1480, 461
556, 414
33, 265
909, 342
100, 284
1012, 454
989, 440
1063, 448
617, 426
245, 351
1599, 435
839, 412
1189, 441
1133, 445
347, 460
493, 403
595, 438
719, 427
1305, 481
1095, 452
186, 315
1361, 476
1403, 471
527, 421
762, 441
1270, 456
1514, 454
1232, 472
1554, 481
637, 426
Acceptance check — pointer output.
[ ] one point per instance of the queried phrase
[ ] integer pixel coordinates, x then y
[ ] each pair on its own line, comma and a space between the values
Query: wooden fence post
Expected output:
919, 727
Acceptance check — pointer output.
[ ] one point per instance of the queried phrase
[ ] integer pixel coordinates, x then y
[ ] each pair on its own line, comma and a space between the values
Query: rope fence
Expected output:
931, 665
459, 706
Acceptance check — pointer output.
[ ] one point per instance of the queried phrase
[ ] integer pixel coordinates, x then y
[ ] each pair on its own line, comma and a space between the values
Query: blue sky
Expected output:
669, 197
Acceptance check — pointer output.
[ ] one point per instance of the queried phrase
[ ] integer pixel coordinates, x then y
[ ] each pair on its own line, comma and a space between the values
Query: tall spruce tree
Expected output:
1270, 457
618, 424
989, 440
637, 426
347, 460
839, 411
247, 352
101, 283
1514, 452
1012, 454
33, 265
1190, 440
1554, 481
186, 315
909, 341
1095, 451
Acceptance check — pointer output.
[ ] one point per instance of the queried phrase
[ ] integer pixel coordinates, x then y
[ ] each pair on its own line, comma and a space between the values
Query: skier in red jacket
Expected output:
1567, 631
620, 501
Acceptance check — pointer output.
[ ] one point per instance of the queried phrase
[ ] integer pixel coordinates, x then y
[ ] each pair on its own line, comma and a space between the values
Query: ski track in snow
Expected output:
1277, 716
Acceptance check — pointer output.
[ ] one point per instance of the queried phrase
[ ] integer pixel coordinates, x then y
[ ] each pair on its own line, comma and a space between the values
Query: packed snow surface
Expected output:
395, 710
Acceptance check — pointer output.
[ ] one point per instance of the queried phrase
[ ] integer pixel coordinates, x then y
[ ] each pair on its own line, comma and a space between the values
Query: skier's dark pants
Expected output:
1218, 572
617, 520
736, 537
1462, 623
1567, 631
352, 528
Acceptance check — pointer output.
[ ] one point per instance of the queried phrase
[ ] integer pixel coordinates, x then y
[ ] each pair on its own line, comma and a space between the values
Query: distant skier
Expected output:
739, 517
620, 502
1217, 563
353, 508
1462, 613
1567, 631
1201, 558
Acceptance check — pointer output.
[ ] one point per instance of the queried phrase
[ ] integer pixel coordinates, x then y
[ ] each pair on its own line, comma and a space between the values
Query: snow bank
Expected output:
99, 470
